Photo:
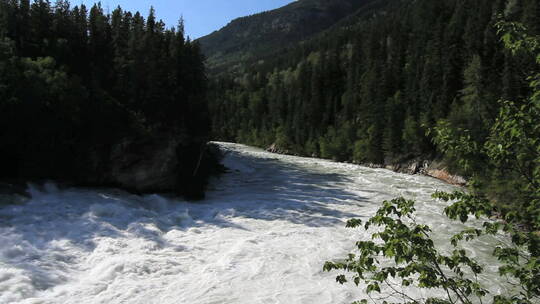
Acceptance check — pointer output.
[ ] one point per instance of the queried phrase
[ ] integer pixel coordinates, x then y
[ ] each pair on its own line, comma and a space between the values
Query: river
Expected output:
261, 236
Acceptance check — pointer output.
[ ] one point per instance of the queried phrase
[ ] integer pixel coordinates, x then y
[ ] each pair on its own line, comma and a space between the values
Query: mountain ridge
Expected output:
262, 34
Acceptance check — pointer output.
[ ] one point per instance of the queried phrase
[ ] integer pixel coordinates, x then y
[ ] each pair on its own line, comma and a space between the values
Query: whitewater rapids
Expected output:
261, 236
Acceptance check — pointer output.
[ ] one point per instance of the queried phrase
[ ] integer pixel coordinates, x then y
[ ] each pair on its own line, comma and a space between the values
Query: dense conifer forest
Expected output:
369, 89
76, 81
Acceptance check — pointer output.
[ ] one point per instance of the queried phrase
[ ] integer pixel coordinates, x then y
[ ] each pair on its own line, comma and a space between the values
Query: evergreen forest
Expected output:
369, 89
76, 82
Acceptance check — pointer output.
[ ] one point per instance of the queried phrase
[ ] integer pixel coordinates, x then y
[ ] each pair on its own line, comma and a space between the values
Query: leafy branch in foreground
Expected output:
402, 254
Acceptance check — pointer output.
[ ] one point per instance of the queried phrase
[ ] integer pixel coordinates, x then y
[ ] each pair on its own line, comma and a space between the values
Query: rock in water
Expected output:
149, 165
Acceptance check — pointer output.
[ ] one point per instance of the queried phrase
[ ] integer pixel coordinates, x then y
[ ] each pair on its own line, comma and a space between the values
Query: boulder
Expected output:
443, 175
149, 165
436, 169
274, 148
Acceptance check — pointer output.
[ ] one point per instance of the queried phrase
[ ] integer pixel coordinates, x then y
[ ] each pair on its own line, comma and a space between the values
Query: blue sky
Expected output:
201, 16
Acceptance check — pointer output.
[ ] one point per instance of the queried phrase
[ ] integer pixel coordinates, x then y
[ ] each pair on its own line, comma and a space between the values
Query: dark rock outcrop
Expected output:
145, 165
439, 171
157, 163
161, 164
435, 169
413, 166
274, 148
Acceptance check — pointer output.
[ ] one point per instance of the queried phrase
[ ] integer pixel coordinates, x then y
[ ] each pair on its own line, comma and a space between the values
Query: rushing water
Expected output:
261, 236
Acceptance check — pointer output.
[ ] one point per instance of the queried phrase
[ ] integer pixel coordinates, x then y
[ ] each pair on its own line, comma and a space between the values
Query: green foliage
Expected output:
412, 135
519, 260
505, 161
335, 144
404, 254
457, 145
368, 146
401, 254
282, 140
392, 137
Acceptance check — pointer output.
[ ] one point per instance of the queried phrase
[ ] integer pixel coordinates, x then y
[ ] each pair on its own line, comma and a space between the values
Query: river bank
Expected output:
427, 166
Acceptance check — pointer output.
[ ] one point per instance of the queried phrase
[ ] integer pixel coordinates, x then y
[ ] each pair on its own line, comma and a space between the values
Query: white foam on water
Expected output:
261, 236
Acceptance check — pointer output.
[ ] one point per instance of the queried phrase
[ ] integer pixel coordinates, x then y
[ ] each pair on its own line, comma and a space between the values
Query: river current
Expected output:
261, 236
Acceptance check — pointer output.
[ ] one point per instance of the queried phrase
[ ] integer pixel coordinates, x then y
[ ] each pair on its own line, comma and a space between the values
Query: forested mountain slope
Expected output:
249, 37
370, 89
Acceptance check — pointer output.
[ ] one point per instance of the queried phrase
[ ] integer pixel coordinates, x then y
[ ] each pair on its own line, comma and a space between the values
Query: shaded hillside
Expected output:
257, 35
